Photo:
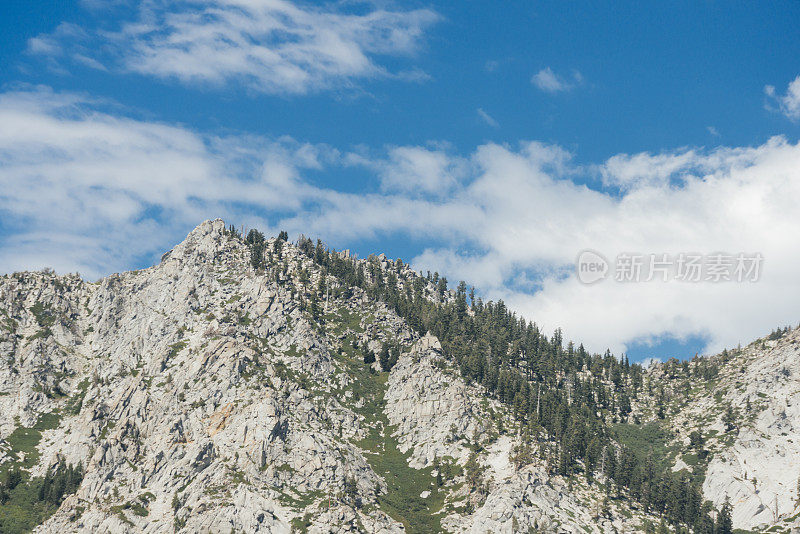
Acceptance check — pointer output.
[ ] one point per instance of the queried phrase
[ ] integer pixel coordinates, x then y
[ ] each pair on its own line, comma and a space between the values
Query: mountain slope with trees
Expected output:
252, 384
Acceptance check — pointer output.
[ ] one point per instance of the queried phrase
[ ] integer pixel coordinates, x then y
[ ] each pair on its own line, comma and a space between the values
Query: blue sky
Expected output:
655, 77
490, 144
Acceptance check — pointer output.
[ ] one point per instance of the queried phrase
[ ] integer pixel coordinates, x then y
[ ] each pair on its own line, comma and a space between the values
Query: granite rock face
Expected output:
759, 470
201, 395
184, 386
749, 416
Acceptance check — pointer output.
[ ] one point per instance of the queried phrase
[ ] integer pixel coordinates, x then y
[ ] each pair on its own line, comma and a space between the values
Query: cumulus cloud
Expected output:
789, 103
269, 46
516, 223
549, 82
87, 188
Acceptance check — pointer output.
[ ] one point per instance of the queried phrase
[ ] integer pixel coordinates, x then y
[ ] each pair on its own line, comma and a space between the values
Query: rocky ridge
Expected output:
748, 415
201, 395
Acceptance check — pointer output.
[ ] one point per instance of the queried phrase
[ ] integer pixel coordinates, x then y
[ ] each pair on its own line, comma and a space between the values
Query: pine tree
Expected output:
441, 286
522, 454
438, 468
314, 308
473, 471
257, 244
696, 440
729, 418
350, 491
624, 405
13, 478
724, 521
385, 358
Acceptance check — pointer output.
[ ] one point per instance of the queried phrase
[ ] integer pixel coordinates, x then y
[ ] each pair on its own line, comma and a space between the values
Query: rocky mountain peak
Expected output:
294, 389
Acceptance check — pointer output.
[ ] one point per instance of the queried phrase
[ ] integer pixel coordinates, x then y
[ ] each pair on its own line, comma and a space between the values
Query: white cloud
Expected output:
85, 188
269, 46
90, 191
549, 82
519, 218
488, 119
413, 170
788, 104
52, 44
627, 171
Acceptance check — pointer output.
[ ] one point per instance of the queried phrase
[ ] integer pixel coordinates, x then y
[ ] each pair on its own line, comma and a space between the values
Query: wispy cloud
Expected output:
789, 103
713, 131
549, 82
274, 46
488, 119
88, 188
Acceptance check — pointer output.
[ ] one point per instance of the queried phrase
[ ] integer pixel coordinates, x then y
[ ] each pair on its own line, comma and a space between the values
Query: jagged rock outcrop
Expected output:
182, 394
431, 407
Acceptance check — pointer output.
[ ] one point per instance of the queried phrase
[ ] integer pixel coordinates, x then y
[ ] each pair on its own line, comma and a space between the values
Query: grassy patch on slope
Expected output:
26, 502
402, 499
647, 439
24, 441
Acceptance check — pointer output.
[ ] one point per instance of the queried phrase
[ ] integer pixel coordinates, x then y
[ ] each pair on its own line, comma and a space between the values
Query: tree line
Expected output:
27, 501
562, 394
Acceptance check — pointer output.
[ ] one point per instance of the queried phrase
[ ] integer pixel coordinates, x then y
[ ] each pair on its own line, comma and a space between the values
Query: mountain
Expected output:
247, 384
747, 412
